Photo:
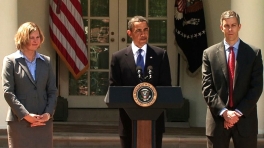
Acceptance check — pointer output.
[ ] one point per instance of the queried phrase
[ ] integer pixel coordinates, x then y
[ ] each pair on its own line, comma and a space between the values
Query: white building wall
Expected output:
8, 27
252, 32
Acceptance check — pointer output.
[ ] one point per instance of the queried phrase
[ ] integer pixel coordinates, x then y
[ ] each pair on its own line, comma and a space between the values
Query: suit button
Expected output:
35, 88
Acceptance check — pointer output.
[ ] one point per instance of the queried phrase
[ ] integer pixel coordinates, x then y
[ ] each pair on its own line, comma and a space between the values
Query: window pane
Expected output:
136, 7
86, 29
78, 87
157, 8
84, 4
99, 57
99, 31
158, 31
99, 83
99, 8
103, 58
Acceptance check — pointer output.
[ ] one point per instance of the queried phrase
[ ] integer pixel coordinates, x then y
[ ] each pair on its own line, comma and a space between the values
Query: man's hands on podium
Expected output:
231, 118
37, 120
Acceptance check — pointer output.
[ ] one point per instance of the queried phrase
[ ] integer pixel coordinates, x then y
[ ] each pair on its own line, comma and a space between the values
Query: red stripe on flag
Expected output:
77, 6
72, 20
67, 35
70, 39
63, 51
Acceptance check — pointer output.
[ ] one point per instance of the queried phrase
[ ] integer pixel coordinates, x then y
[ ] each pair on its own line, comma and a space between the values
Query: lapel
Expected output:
39, 67
241, 59
149, 57
221, 55
130, 60
23, 64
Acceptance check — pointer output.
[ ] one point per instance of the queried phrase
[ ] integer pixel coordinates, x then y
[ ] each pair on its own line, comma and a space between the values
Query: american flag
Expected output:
67, 34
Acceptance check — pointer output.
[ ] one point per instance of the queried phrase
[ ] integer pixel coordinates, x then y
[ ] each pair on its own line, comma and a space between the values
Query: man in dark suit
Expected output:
232, 82
123, 73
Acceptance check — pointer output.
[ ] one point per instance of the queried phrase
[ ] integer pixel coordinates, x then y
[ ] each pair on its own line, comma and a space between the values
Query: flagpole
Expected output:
178, 70
57, 73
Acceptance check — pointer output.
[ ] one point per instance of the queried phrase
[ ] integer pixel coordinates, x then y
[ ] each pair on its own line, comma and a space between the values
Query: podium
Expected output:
143, 118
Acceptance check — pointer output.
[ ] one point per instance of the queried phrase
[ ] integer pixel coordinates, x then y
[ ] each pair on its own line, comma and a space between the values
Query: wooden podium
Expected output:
143, 118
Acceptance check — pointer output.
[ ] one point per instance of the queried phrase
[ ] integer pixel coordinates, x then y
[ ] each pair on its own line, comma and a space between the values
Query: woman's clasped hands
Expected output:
37, 120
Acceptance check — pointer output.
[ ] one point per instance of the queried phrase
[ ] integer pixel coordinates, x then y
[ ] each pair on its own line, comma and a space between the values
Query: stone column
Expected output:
8, 27
252, 32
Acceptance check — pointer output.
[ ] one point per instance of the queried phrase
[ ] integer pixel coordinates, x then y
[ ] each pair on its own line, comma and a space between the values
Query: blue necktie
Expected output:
140, 60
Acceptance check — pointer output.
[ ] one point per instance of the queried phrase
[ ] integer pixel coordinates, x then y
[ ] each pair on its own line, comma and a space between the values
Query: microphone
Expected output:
139, 72
150, 72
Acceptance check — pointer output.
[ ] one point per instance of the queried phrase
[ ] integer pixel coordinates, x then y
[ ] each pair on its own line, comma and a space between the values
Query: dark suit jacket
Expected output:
123, 73
248, 85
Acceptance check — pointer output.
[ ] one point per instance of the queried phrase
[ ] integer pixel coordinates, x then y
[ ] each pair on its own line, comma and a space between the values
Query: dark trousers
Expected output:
126, 141
239, 141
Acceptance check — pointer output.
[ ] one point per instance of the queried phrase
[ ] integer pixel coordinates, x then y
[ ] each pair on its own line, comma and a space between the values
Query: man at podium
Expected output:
129, 66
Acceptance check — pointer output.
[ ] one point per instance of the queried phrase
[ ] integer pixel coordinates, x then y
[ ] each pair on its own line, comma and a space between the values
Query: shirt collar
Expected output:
135, 48
19, 54
235, 45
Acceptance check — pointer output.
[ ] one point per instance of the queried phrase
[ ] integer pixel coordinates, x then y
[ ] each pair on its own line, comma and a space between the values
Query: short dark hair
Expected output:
229, 14
130, 24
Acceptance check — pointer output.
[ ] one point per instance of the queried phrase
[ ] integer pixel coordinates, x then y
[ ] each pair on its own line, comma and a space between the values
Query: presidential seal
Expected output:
144, 94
